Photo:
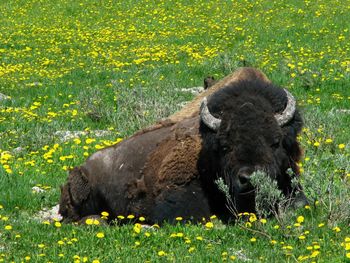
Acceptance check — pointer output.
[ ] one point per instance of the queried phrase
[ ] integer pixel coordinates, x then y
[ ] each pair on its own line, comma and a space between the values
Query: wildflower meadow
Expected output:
105, 69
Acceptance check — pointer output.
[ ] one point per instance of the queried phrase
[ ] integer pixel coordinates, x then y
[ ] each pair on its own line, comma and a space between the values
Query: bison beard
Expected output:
170, 170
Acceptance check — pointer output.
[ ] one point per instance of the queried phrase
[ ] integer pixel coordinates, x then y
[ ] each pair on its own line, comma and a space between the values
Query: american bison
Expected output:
170, 170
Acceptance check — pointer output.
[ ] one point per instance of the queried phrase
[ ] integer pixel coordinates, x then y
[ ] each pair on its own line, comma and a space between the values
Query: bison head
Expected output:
246, 127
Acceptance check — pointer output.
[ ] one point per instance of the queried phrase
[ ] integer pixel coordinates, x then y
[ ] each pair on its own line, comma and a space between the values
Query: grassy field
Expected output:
119, 66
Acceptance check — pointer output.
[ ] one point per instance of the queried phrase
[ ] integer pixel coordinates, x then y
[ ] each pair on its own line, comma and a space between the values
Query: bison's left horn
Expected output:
207, 118
288, 112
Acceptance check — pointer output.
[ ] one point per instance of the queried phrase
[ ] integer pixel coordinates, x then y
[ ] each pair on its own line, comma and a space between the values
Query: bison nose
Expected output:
244, 179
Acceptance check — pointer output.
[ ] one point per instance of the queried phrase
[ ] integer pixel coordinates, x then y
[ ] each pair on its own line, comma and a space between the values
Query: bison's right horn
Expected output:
207, 118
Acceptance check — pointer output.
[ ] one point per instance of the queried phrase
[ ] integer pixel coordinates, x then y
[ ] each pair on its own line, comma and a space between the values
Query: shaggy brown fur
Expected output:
174, 163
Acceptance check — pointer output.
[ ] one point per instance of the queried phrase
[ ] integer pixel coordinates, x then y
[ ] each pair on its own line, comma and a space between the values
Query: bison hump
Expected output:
173, 163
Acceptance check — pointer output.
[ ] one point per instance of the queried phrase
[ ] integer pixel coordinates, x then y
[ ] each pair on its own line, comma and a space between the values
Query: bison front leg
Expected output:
186, 201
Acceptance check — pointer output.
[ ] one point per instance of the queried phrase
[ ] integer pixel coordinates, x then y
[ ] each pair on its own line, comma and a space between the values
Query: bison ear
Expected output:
78, 185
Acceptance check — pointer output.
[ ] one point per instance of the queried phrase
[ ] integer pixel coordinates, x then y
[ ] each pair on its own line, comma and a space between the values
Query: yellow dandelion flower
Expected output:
263, 220
41, 245
347, 246
105, 214
161, 253
336, 229
180, 234
199, 238
213, 217
147, 234
317, 247
141, 219
248, 224
300, 219
100, 235
137, 228
187, 241
179, 218
8, 227
232, 257
60, 242
287, 247
314, 254
89, 140
321, 225
253, 239
121, 217
89, 221
302, 258
252, 218
191, 249
27, 258
130, 217
58, 224
273, 242
348, 255
302, 237
316, 144
46, 222
341, 146
276, 226
209, 225
329, 140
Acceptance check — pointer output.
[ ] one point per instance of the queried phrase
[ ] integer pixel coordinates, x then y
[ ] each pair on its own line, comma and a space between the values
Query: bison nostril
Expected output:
244, 178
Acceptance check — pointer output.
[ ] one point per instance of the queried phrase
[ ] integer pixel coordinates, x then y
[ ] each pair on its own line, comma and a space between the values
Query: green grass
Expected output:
120, 66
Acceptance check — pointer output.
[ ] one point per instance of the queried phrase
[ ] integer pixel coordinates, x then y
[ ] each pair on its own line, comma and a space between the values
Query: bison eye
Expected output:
275, 144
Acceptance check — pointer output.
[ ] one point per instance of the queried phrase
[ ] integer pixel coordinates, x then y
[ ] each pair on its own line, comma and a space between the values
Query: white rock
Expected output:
68, 135
193, 90
17, 150
50, 214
